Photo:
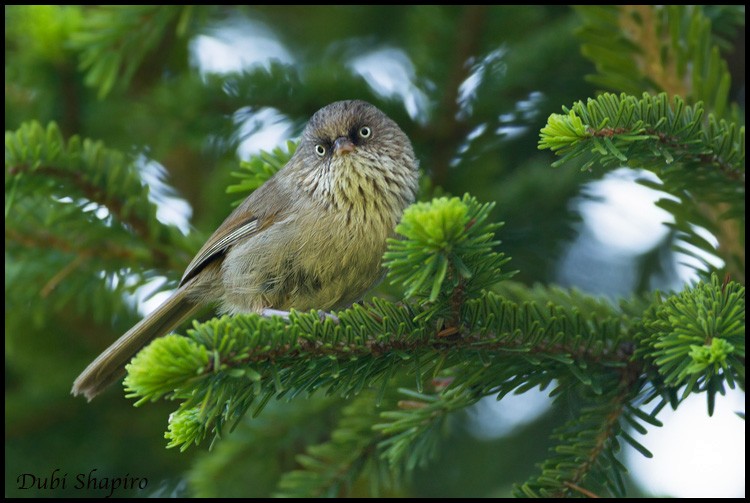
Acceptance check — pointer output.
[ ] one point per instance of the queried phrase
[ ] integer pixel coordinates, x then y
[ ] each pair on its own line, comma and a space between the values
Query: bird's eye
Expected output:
365, 132
320, 150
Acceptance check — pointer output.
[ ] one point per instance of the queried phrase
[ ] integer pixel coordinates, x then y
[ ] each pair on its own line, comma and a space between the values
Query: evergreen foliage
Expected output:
364, 401
260, 168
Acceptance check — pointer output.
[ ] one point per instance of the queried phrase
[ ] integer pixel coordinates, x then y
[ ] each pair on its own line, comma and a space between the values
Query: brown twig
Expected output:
581, 490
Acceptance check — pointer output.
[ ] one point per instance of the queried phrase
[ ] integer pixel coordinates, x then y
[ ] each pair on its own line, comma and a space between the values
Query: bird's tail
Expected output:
110, 365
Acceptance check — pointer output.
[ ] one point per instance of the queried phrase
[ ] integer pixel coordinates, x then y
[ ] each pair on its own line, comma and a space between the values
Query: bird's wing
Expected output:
242, 223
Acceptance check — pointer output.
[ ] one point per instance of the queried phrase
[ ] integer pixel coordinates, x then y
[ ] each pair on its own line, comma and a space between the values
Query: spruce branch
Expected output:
271, 442
701, 162
586, 348
584, 459
675, 49
654, 49
449, 241
114, 40
695, 340
252, 359
331, 468
77, 178
648, 132
384, 438
410, 433
322, 407
256, 171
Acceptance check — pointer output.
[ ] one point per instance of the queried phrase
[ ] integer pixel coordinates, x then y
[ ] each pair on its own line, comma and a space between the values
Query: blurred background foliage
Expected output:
470, 85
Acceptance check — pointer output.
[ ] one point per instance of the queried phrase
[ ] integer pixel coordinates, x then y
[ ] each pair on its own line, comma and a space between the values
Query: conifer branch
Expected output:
39, 162
654, 49
674, 49
230, 366
114, 40
324, 406
331, 468
702, 163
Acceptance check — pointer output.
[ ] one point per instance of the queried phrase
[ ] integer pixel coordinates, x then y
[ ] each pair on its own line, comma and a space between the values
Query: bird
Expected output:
311, 237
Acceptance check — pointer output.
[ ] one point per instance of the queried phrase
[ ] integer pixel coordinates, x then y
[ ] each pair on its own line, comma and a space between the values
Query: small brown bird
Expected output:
311, 237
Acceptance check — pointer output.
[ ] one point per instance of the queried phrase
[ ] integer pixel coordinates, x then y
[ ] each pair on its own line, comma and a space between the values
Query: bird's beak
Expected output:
342, 146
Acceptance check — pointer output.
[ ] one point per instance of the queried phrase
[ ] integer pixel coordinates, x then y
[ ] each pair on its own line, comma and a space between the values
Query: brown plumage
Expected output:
311, 237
